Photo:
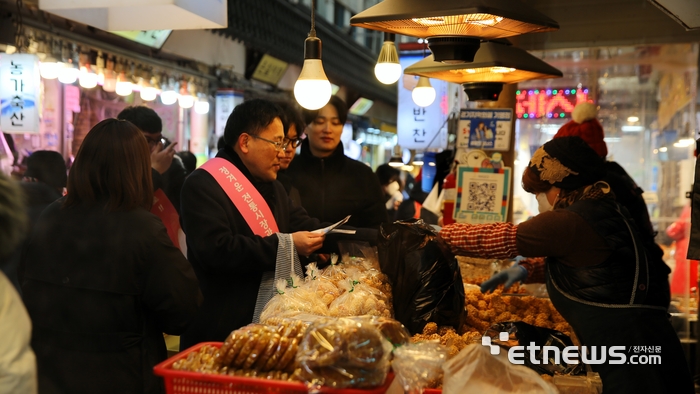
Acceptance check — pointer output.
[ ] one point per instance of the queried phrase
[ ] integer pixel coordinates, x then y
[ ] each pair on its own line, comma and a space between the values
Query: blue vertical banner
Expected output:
421, 127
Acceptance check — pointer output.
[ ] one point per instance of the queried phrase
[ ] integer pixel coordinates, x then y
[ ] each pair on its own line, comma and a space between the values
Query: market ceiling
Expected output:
598, 23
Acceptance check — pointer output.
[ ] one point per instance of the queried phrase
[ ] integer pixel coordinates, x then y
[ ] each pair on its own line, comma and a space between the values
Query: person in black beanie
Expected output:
599, 274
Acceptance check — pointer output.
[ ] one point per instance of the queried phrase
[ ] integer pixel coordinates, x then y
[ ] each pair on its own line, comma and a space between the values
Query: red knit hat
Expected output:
586, 126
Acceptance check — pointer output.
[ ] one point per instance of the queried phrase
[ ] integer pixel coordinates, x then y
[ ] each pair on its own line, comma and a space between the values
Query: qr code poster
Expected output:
487, 129
482, 194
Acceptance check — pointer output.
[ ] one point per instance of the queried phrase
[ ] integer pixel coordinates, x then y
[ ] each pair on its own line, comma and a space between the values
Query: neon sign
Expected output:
549, 103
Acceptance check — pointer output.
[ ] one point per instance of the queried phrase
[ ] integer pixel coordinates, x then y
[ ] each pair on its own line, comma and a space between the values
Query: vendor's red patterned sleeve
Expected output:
493, 240
535, 269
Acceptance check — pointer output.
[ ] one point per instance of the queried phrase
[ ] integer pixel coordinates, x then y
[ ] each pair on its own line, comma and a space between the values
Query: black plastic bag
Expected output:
525, 333
425, 278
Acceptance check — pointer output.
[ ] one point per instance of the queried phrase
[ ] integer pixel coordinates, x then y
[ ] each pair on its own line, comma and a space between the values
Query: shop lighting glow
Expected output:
424, 93
632, 129
312, 89
68, 74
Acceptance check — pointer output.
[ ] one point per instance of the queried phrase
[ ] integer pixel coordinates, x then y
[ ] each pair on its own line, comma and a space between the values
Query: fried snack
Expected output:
323, 347
271, 347
430, 328
258, 348
248, 346
288, 357
277, 354
364, 347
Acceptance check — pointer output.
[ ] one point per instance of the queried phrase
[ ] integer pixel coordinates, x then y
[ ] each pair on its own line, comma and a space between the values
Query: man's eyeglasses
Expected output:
279, 146
294, 143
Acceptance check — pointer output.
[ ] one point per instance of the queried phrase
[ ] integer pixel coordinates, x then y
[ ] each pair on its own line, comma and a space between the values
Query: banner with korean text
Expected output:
421, 127
19, 93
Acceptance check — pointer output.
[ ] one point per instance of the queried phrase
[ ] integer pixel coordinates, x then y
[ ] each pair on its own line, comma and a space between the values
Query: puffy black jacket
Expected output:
613, 281
336, 186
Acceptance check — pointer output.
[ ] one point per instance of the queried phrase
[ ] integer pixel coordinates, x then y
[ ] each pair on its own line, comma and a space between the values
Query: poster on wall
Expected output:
487, 129
421, 127
19, 93
226, 101
482, 195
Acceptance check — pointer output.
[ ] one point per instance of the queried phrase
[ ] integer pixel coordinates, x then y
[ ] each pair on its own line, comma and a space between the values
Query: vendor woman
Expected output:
598, 273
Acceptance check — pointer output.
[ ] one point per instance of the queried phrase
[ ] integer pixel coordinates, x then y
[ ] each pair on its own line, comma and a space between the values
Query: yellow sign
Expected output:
270, 70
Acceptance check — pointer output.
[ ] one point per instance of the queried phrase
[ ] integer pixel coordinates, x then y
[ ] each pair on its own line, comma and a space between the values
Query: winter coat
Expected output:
228, 258
613, 281
336, 186
101, 288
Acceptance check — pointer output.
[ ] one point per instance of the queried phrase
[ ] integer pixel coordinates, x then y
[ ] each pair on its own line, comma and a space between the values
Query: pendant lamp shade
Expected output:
493, 62
486, 19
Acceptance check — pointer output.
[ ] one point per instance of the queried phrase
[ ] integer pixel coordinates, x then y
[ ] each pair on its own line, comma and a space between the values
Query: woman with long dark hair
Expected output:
102, 280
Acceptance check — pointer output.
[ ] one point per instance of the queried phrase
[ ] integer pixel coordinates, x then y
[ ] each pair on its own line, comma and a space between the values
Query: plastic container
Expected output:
181, 382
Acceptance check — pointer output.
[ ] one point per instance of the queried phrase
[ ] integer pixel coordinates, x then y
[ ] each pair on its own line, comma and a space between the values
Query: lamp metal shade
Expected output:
493, 62
486, 19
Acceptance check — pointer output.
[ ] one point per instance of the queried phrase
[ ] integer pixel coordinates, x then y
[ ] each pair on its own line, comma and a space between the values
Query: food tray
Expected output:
181, 382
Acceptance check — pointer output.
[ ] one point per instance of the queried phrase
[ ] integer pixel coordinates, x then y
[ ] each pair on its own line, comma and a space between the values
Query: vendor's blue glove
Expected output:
508, 276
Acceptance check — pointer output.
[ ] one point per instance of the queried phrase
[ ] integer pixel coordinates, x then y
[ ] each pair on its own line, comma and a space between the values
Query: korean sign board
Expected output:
488, 129
19, 93
421, 127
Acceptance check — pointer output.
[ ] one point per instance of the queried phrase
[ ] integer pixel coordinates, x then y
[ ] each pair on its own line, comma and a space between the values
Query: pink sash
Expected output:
164, 209
243, 195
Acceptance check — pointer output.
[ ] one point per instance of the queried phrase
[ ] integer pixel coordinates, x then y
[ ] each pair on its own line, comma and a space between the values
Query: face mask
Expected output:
392, 188
543, 204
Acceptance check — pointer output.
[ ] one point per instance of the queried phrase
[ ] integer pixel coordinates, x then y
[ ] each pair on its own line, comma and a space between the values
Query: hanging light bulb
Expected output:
147, 91
202, 105
424, 93
186, 99
110, 76
69, 72
169, 94
312, 89
48, 68
388, 69
124, 86
87, 78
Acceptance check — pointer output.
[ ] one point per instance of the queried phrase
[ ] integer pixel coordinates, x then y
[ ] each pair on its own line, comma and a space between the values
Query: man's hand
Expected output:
307, 242
162, 158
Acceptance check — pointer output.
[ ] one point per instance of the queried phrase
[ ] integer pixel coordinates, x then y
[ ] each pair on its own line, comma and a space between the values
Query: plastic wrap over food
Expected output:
343, 353
475, 371
392, 330
289, 301
321, 285
358, 299
419, 365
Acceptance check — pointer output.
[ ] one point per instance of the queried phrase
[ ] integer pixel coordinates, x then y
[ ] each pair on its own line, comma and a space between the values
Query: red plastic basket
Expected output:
181, 382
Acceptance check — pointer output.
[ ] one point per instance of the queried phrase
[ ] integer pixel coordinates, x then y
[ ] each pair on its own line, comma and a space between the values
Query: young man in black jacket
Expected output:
331, 184
228, 256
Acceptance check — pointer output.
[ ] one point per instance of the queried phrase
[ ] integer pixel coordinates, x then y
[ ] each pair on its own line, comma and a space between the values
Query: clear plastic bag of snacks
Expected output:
419, 365
321, 285
343, 353
294, 299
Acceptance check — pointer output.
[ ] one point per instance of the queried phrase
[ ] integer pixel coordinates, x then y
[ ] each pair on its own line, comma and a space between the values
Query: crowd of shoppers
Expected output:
102, 280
